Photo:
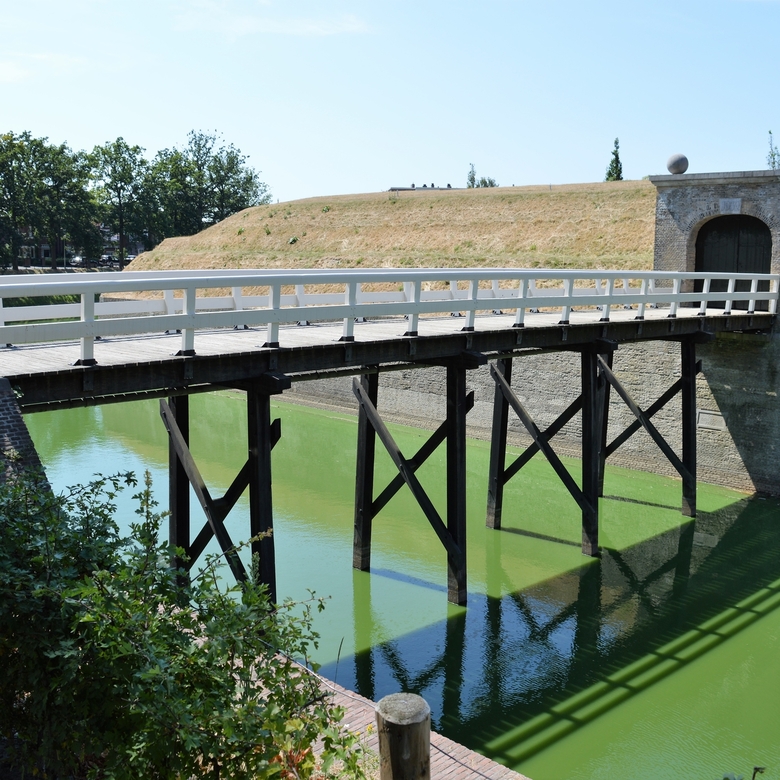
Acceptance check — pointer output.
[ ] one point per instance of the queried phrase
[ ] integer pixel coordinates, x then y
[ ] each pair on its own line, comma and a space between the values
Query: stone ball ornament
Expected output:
677, 163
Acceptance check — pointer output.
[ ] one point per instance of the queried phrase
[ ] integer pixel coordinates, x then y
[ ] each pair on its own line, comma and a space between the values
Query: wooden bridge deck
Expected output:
143, 366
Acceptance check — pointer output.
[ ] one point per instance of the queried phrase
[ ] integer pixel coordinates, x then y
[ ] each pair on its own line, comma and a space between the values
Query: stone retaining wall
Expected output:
737, 399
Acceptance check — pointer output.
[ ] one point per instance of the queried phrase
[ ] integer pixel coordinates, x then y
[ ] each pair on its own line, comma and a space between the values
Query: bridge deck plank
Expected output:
39, 358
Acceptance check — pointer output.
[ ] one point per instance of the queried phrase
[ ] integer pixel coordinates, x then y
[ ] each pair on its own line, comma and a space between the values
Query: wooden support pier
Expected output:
452, 534
597, 377
263, 434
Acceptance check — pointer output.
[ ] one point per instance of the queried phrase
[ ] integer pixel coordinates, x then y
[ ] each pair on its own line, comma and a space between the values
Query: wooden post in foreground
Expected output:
404, 725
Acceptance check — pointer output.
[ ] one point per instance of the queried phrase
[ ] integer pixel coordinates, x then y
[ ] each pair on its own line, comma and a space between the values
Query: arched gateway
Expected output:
735, 242
718, 222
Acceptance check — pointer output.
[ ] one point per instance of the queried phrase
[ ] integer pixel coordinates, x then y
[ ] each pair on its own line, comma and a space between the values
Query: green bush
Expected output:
112, 665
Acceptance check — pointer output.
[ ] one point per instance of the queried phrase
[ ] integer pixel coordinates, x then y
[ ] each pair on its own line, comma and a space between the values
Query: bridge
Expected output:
170, 334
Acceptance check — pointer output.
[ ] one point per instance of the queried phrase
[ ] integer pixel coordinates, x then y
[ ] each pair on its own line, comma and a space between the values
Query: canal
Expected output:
657, 661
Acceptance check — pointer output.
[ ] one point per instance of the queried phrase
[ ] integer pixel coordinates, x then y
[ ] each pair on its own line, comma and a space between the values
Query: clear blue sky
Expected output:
345, 96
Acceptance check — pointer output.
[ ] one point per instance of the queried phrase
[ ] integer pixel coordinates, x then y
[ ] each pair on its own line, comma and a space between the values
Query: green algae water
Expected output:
658, 660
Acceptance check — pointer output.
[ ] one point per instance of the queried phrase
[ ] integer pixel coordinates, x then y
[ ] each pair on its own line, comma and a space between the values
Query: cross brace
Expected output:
452, 534
184, 472
587, 497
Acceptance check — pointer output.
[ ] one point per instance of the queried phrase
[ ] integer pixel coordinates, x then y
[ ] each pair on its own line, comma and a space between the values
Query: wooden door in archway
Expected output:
734, 244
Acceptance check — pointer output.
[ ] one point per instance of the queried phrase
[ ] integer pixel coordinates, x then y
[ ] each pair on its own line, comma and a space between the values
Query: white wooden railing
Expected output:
186, 300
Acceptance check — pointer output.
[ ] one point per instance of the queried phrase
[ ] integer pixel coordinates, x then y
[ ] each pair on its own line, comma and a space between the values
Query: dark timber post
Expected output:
178, 482
495, 503
260, 504
591, 451
364, 481
456, 482
688, 395
604, 405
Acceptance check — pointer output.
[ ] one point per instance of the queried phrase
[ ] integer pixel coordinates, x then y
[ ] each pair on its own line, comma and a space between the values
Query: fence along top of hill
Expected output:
260, 297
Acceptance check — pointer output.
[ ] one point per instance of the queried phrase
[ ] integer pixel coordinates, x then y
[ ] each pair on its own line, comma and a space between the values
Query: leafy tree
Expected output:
119, 169
114, 666
483, 181
20, 190
773, 158
615, 168
235, 186
69, 211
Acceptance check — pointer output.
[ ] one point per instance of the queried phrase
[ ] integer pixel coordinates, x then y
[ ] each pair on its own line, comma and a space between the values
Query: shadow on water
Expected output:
511, 675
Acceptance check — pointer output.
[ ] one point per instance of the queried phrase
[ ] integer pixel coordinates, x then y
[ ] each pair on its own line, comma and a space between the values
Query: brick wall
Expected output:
17, 446
686, 202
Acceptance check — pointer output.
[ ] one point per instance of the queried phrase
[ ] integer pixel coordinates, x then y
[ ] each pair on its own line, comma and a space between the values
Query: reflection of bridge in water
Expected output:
132, 336
512, 675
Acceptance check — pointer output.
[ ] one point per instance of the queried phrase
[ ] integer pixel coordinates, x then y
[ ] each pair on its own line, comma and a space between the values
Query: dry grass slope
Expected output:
603, 225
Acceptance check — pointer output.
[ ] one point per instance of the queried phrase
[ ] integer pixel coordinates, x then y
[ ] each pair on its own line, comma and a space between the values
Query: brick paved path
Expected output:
448, 759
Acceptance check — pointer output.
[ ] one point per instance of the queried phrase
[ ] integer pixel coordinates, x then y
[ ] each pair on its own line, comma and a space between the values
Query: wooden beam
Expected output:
644, 420
651, 410
591, 456
404, 469
456, 483
179, 485
540, 440
688, 398
365, 508
223, 506
496, 471
548, 434
417, 460
259, 432
202, 492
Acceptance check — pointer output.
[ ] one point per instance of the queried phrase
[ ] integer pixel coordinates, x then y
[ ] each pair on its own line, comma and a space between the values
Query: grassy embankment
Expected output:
601, 225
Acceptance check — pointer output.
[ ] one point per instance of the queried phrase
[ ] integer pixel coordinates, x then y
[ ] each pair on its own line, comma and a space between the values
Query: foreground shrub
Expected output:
112, 665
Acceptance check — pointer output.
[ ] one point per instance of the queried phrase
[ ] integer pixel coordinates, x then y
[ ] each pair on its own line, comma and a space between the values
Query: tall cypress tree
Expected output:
615, 169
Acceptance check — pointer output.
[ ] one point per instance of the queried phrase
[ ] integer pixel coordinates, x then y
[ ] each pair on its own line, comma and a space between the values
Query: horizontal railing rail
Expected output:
109, 304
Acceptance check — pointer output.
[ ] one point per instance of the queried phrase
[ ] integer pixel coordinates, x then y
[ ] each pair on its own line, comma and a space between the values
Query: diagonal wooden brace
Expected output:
202, 492
216, 510
548, 434
221, 507
405, 469
417, 460
644, 420
540, 440
651, 410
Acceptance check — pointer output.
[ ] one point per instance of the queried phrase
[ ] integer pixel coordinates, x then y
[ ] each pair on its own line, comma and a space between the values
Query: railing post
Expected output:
753, 291
522, 294
568, 287
454, 296
472, 311
640, 315
188, 334
705, 292
274, 304
610, 292
87, 319
404, 727
350, 298
414, 318
730, 291
674, 303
